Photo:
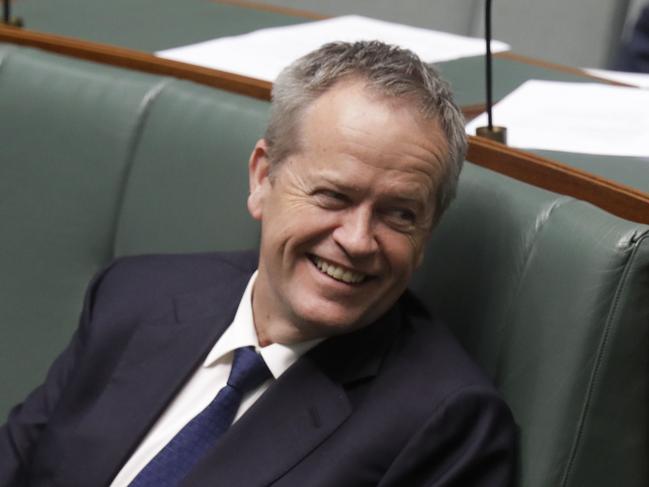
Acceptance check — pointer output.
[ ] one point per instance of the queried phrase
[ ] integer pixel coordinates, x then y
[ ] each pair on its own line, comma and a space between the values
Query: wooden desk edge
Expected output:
613, 197
141, 61
621, 200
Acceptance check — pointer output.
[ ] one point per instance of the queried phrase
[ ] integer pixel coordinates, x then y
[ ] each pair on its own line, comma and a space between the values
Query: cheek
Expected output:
298, 223
304, 211
403, 252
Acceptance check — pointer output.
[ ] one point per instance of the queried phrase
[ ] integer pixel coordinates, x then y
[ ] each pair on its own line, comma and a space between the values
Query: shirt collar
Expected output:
242, 333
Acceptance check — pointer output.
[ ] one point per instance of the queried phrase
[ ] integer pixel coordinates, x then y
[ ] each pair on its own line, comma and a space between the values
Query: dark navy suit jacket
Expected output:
397, 403
634, 54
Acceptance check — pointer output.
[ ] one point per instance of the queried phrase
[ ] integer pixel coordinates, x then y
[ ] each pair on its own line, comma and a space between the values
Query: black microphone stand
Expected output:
499, 134
6, 11
6, 15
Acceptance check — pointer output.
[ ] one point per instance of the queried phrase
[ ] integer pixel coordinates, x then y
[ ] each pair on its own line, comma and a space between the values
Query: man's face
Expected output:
345, 218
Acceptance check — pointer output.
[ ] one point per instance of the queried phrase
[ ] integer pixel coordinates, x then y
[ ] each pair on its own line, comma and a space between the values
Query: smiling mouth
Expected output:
338, 273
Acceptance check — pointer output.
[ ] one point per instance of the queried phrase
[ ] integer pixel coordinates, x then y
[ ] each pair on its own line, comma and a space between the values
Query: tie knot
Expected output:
248, 370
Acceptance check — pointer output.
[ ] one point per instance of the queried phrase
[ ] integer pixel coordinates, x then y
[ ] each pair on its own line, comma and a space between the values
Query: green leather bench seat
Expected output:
97, 162
550, 294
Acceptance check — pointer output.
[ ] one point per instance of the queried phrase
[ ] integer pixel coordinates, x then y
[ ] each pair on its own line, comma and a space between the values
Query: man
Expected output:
633, 55
357, 387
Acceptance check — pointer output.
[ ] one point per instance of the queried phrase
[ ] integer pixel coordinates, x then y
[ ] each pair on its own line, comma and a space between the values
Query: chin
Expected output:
329, 319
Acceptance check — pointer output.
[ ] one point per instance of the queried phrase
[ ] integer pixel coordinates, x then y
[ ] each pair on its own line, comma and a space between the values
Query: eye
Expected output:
402, 219
328, 198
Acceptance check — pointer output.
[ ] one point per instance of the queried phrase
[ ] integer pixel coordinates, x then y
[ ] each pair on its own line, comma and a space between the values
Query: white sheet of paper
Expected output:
641, 80
574, 117
262, 54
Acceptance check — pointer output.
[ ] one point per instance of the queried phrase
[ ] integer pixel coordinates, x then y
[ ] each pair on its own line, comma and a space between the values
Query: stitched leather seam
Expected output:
541, 221
5, 55
601, 352
142, 114
9, 50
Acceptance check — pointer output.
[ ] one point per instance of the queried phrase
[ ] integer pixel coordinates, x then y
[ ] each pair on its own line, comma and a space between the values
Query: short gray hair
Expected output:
390, 70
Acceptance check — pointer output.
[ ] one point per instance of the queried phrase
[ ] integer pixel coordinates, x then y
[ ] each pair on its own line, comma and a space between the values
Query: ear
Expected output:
258, 178
422, 249
420, 259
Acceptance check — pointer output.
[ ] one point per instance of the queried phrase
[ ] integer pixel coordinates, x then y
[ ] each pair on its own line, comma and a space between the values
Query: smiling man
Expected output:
346, 215
309, 363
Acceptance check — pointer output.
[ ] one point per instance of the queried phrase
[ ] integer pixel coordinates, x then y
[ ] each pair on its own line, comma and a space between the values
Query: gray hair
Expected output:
390, 70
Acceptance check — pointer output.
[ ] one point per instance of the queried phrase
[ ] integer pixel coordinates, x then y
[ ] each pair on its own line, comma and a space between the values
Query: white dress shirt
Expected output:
207, 381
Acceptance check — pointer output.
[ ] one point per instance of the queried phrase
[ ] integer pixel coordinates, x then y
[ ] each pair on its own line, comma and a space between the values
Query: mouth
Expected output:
337, 272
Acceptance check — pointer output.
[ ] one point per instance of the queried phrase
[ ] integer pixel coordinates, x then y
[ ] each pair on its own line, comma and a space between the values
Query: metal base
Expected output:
13, 21
498, 134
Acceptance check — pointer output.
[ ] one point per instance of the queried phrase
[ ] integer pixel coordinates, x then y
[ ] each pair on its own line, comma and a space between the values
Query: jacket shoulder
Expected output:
431, 358
144, 282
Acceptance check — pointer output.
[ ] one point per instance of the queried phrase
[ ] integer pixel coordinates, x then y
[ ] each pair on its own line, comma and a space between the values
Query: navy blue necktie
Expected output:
176, 459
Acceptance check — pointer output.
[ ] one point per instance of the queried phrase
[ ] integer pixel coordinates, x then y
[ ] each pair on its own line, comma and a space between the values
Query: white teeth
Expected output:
338, 273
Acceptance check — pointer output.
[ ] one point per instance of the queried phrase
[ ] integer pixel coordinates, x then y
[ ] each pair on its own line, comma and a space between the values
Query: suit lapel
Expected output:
158, 360
293, 417
297, 413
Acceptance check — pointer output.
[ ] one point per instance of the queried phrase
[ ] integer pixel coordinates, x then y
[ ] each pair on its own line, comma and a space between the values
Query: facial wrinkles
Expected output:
299, 187
399, 182
368, 211
409, 155
385, 188
421, 182
426, 154
363, 146
408, 166
394, 161
399, 120
396, 187
294, 184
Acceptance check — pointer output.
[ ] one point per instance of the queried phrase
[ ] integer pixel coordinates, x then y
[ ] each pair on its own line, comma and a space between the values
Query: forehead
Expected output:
352, 125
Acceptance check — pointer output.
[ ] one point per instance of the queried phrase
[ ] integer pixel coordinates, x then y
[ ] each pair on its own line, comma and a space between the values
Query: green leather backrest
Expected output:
67, 134
551, 295
188, 187
97, 162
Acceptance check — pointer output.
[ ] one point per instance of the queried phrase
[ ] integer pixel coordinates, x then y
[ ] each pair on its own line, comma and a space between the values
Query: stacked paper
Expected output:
574, 117
262, 54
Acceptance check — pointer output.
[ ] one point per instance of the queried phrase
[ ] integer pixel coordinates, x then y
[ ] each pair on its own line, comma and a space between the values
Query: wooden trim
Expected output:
291, 12
138, 60
620, 200
623, 201
142, 61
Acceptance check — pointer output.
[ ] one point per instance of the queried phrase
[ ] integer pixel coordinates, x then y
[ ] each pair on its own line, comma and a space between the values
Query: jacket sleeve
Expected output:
470, 441
20, 435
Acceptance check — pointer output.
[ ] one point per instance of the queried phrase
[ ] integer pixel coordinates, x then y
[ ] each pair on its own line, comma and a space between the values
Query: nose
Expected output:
355, 233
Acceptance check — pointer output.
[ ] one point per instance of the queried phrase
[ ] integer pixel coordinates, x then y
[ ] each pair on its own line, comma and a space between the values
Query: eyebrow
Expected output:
343, 186
419, 203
